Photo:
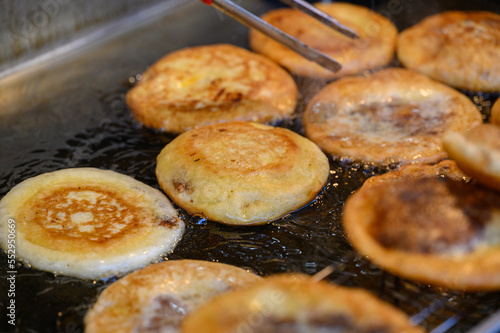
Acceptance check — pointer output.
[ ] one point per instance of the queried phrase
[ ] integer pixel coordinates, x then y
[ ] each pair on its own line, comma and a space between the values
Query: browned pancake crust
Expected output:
295, 303
126, 305
89, 223
433, 227
241, 173
477, 152
392, 116
103, 235
204, 85
459, 48
495, 113
374, 48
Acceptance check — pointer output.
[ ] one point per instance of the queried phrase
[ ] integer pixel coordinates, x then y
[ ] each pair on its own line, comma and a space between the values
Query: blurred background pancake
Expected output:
375, 47
210, 84
459, 48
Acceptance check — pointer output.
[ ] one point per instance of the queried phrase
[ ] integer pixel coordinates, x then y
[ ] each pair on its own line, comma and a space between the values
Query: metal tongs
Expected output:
307, 52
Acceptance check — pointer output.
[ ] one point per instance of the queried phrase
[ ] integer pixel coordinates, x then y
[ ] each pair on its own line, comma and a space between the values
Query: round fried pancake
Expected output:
156, 298
431, 225
203, 85
241, 173
394, 115
477, 153
445, 168
88, 223
495, 113
375, 47
295, 303
459, 48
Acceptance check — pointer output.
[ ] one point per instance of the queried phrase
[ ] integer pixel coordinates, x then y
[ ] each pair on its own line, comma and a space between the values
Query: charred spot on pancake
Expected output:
219, 94
233, 96
183, 186
169, 222
432, 215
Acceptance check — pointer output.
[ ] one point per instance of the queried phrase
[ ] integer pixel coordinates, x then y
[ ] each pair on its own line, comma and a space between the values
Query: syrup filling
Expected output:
164, 315
433, 215
330, 324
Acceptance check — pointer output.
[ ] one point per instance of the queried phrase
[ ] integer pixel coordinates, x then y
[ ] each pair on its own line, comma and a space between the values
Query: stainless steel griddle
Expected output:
65, 108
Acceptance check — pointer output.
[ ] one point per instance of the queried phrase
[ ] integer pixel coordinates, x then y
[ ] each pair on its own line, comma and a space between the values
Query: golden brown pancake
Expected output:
241, 173
477, 153
294, 303
392, 116
88, 223
436, 227
375, 47
459, 48
495, 113
156, 298
203, 85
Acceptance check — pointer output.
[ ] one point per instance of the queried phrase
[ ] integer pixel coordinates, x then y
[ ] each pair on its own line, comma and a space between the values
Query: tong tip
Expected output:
350, 33
328, 63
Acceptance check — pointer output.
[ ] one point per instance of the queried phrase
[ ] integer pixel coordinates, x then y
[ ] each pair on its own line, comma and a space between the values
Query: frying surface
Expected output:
70, 112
